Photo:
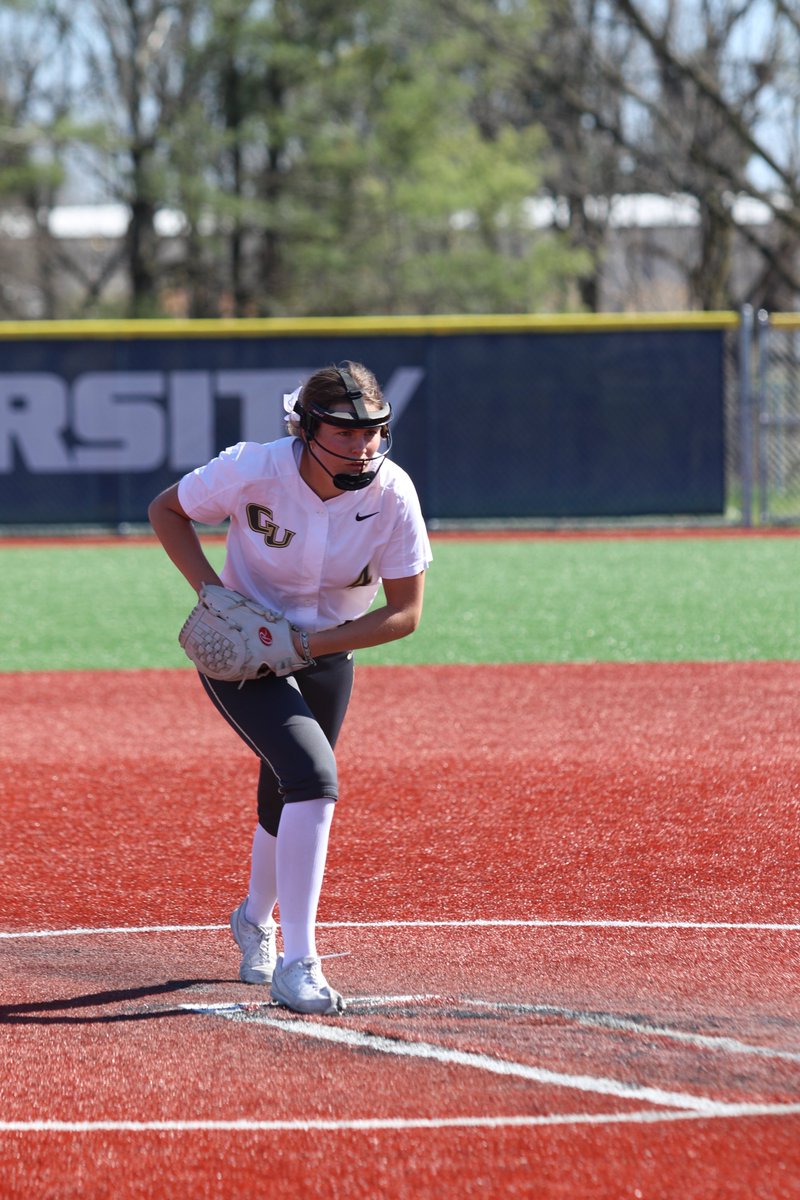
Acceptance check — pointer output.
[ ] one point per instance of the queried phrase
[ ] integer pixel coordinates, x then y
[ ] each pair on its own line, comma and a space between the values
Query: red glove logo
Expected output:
265, 636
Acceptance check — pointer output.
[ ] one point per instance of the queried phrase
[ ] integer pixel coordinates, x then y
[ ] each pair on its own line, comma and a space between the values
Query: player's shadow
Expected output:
38, 1012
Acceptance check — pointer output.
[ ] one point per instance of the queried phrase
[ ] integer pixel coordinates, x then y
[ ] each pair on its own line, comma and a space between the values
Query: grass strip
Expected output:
80, 607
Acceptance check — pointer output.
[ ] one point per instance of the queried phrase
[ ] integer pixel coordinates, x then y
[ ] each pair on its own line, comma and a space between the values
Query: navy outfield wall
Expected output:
515, 417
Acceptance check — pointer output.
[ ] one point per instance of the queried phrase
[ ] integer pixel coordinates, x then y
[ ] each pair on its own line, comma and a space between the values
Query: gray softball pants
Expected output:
292, 724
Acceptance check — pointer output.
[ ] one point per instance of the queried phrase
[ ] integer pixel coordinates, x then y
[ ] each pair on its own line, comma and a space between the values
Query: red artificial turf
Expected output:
567, 800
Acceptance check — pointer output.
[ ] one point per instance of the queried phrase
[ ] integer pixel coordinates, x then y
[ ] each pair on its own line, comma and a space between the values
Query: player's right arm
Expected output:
174, 529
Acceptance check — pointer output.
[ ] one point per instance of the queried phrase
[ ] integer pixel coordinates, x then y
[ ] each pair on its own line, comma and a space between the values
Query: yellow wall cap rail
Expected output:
367, 326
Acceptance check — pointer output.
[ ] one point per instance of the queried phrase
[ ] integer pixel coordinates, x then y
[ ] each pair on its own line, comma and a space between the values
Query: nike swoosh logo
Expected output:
365, 516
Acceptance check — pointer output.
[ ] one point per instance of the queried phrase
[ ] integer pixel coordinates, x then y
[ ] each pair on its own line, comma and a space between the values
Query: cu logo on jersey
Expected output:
261, 521
265, 636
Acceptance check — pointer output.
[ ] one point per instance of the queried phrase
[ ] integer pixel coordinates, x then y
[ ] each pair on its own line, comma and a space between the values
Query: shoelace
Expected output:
313, 973
258, 943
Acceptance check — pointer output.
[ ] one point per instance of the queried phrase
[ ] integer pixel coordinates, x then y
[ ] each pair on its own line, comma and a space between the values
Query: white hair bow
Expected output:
292, 417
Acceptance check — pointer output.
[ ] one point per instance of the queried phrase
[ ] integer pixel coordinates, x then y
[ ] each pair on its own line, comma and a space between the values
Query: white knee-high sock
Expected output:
301, 853
263, 892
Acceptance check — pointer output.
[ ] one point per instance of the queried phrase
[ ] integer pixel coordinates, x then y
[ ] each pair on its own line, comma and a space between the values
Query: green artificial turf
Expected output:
619, 600
83, 606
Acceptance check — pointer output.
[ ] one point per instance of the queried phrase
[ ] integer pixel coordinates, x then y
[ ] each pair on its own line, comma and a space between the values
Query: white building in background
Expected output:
649, 244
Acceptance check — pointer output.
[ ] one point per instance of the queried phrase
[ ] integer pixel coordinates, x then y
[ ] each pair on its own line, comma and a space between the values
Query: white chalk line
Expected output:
692, 1104
592, 1020
679, 1105
734, 926
588, 1019
720, 1043
376, 1124
711, 1042
85, 931
444, 1055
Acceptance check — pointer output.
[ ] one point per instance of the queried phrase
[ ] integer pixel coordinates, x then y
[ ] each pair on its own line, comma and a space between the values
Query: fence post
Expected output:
746, 413
762, 414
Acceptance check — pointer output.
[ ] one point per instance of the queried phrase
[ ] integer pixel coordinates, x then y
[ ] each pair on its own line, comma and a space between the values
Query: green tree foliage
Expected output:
425, 197
326, 157
336, 157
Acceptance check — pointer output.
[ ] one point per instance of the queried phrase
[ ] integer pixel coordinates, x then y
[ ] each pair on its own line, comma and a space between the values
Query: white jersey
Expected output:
318, 562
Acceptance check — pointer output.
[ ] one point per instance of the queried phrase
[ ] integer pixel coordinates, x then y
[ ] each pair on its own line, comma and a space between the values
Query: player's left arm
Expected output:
397, 618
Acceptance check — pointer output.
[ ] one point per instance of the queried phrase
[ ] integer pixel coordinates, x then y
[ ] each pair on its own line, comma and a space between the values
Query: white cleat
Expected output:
303, 988
257, 944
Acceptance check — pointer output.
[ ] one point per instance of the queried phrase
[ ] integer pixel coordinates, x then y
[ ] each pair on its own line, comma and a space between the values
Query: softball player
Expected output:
317, 522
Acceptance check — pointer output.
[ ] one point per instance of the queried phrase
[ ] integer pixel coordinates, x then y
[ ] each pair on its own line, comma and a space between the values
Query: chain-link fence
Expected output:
777, 417
762, 419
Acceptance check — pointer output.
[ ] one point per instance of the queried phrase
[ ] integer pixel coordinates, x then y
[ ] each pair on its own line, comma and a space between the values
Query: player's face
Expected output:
346, 449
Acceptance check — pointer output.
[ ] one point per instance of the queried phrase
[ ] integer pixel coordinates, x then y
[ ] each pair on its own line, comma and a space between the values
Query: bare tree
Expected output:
134, 56
667, 97
705, 107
